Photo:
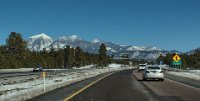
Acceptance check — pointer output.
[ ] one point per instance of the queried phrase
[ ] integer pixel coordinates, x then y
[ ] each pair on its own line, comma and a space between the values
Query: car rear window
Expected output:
153, 67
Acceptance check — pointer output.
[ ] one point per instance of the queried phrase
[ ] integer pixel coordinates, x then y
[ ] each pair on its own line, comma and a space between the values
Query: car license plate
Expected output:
153, 71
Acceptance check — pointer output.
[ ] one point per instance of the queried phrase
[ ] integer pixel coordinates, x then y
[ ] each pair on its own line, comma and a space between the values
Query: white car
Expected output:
37, 69
153, 72
141, 67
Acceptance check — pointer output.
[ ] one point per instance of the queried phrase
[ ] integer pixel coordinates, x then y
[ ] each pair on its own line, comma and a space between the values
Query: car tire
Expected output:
144, 79
161, 79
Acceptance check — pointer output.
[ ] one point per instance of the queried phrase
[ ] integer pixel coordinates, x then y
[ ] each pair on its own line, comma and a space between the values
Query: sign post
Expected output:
176, 62
44, 75
161, 62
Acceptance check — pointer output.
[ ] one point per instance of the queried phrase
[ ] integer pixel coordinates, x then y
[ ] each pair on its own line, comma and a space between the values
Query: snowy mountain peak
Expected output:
96, 41
141, 48
41, 35
39, 42
70, 38
74, 37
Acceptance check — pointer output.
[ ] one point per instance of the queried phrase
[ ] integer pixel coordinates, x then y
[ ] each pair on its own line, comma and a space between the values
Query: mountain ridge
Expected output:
40, 41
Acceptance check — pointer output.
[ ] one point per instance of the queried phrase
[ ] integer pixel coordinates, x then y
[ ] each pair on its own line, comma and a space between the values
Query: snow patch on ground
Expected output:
115, 66
26, 90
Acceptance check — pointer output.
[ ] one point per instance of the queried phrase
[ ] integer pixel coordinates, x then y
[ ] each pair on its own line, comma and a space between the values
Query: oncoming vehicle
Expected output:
153, 72
141, 67
38, 69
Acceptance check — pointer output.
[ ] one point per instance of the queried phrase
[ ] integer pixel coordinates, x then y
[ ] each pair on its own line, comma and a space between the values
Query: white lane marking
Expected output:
182, 84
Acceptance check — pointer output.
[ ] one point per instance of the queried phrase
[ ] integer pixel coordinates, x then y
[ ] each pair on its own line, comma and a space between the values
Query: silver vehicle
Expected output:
38, 69
141, 67
153, 72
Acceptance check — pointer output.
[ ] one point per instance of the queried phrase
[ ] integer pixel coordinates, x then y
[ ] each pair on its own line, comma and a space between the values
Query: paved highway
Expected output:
123, 86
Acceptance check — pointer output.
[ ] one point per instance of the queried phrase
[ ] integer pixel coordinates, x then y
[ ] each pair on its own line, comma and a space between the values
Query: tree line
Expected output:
188, 60
15, 54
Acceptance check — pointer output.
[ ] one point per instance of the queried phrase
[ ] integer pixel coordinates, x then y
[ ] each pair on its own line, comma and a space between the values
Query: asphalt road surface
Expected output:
123, 86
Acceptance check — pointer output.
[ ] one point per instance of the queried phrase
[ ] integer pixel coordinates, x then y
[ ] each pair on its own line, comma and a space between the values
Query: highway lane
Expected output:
129, 86
124, 86
121, 86
61, 93
170, 90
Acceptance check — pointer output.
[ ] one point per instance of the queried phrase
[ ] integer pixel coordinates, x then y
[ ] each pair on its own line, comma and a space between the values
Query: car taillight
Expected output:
147, 72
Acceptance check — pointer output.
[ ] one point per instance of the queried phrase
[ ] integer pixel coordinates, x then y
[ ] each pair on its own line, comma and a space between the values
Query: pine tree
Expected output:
44, 59
68, 57
160, 58
168, 59
16, 50
194, 59
125, 59
184, 60
1, 56
60, 58
103, 59
78, 56
72, 57
53, 58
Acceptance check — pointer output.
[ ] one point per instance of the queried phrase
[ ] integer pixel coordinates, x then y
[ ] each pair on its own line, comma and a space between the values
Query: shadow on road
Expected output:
150, 80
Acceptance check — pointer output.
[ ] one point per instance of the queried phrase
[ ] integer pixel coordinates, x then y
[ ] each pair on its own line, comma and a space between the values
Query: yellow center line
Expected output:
81, 90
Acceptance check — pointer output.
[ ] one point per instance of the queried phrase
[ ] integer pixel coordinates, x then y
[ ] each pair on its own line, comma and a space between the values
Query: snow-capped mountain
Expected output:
175, 51
64, 40
137, 48
40, 41
96, 41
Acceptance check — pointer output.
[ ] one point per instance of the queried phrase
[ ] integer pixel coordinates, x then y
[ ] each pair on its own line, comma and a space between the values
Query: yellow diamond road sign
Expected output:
176, 58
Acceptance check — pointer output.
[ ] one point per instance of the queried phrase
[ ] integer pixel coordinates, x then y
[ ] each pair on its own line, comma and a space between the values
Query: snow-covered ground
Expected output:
191, 74
15, 70
85, 67
115, 66
35, 86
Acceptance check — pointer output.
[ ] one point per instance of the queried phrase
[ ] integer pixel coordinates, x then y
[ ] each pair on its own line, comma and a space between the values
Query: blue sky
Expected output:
167, 24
